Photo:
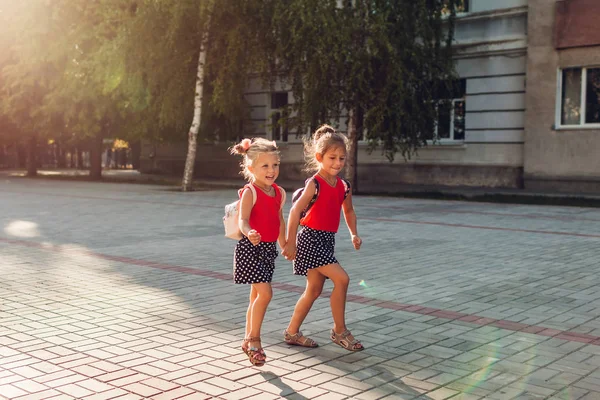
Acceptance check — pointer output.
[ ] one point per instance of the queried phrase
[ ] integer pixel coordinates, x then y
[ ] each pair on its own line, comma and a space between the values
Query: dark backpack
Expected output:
298, 193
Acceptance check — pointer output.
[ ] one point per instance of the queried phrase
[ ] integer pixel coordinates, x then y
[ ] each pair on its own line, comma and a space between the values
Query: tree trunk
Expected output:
21, 156
32, 156
136, 153
190, 161
62, 155
79, 158
354, 133
96, 157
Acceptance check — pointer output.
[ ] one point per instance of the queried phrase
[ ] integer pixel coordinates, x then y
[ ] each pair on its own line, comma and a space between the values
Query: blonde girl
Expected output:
262, 224
312, 249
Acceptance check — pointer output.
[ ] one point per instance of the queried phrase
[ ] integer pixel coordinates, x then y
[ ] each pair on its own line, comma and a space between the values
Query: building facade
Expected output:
562, 122
523, 115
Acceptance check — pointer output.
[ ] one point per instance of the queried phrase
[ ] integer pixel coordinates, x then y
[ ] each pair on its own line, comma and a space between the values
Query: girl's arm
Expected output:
281, 238
294, 219
350, 217
244, 224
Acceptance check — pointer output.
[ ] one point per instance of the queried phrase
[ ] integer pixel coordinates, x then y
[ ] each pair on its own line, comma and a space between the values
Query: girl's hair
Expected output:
250, 149
324, 138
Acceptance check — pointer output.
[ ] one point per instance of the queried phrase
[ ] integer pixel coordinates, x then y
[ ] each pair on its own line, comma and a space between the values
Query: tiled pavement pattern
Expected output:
112, 291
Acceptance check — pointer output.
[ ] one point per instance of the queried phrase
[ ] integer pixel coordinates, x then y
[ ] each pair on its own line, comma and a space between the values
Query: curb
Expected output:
483, 195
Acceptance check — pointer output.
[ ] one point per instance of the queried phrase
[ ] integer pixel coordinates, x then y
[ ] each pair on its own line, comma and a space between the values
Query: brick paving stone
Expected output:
208, 388
149, 370
105, 366
46, 394
27, 372
74, 390
107, 395
244, 393
30, 386
54, 376
377, 393
11, 391
173, 394
112, 376
442, 394
129, 396
191, 378
197, 396
141, 389
520, 316
89, 371
160, 384
129, 379
94, 385
56, 383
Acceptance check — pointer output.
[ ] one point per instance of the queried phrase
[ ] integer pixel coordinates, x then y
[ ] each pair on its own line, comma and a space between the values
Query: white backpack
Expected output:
232, 214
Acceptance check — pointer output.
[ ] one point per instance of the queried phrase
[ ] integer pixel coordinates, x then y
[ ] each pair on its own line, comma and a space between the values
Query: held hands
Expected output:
356, 242
289, 251
254, 237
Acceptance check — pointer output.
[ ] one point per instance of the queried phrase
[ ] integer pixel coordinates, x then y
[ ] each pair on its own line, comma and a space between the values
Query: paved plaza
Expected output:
115, 291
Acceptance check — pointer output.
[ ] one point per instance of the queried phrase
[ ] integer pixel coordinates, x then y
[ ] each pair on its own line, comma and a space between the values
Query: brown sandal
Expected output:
346, 340
256, 355
298, 339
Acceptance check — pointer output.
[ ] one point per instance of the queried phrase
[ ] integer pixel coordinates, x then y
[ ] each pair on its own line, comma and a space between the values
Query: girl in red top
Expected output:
313, 248
262, 225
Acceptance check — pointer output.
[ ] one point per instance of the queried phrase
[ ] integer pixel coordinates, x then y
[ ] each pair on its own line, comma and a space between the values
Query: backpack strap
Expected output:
252, 189
317, 187
282, 197
314, 198
347, 187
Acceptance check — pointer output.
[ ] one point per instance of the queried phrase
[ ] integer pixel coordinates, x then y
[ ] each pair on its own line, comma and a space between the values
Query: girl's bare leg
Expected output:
253, 296
314, 287
340, 280
258, 309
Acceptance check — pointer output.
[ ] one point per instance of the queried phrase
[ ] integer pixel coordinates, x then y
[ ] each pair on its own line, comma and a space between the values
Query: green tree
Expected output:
164, 48
92, 93
191, 60
31, 63
382, 63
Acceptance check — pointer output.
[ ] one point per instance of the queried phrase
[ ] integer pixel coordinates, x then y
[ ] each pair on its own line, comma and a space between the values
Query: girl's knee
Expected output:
313, 293
253, 294
262, 291
267, 295
343, 280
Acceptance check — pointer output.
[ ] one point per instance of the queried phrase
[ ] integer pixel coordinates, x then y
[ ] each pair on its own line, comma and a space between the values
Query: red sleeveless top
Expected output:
264, 217
324, 215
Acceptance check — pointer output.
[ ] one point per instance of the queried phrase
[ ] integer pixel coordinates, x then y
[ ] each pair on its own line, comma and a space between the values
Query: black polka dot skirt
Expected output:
314, 249
254, 264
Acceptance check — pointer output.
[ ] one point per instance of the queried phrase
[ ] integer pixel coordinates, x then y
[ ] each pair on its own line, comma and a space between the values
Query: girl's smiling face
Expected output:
333, 161
265, 169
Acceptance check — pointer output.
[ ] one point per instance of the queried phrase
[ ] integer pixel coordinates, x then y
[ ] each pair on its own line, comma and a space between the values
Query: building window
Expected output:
450, 125
579, 97
460, 6
279, 129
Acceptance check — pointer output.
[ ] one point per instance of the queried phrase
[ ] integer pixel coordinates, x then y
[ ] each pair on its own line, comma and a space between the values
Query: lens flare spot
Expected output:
23, 229
362, 283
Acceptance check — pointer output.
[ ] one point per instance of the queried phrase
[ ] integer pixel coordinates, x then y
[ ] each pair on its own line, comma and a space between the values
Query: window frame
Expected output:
462, 82
459, 13
290, 136
451, 139
583, 100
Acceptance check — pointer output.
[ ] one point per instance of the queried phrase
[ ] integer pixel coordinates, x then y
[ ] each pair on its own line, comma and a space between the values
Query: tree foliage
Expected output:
86, 69
385, 60
160, 46
30, 71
